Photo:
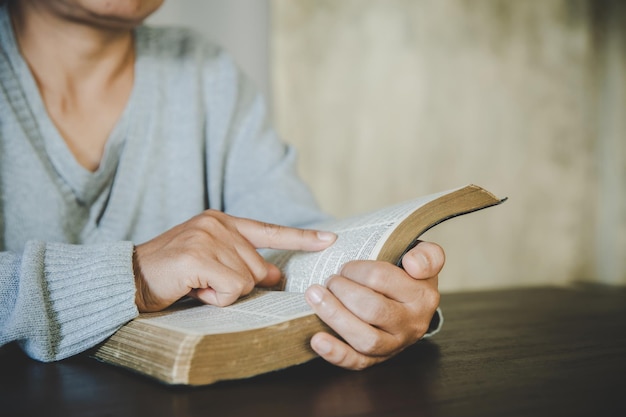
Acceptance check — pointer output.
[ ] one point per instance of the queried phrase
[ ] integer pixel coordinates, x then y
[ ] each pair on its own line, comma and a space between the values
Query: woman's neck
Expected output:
84, 73
64, 54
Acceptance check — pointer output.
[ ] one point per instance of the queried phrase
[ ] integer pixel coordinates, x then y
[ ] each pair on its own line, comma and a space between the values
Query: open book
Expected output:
196, 344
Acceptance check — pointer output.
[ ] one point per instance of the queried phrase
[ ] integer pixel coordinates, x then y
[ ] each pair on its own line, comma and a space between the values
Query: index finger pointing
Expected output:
273, 236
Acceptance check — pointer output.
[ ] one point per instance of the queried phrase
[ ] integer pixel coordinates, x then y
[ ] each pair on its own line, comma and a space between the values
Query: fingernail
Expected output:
314, 295
322, 346
422, 261
326, 236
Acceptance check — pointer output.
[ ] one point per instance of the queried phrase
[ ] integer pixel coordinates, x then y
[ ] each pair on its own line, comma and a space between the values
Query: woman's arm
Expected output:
57, 300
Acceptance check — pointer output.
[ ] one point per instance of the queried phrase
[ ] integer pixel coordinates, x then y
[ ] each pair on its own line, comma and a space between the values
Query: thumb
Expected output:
424, 261
273, 276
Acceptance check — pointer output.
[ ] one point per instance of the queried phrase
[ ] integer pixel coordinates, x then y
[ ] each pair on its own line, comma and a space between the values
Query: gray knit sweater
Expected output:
193, 136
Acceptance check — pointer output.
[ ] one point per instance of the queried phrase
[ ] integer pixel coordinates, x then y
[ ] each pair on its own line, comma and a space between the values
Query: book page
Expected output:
260, 308
359, 237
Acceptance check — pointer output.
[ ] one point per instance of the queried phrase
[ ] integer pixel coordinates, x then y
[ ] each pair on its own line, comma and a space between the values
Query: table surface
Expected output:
522, 352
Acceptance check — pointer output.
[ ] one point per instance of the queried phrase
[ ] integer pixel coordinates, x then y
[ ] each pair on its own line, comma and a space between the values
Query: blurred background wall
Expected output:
240, 26
390, 99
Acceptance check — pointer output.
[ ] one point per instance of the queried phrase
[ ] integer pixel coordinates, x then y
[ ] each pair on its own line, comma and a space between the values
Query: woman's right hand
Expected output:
213, 257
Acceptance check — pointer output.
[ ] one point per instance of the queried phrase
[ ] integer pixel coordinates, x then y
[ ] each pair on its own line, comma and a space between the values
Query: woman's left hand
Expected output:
377, 308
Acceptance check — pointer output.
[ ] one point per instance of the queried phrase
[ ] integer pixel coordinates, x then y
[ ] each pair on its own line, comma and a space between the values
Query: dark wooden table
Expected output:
525, 352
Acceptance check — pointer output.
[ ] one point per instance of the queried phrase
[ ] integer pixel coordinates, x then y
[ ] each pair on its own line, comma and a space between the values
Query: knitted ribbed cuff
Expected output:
435, 324
91, 293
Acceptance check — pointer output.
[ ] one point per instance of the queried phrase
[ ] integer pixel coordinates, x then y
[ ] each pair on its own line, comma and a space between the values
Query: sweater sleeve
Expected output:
257, 170
57, 300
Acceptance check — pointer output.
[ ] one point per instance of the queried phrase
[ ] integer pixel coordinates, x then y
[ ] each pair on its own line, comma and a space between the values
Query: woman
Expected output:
132, 160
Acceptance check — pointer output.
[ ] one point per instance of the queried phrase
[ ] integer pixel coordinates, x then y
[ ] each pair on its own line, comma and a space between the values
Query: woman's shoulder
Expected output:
185, 53
176, 42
